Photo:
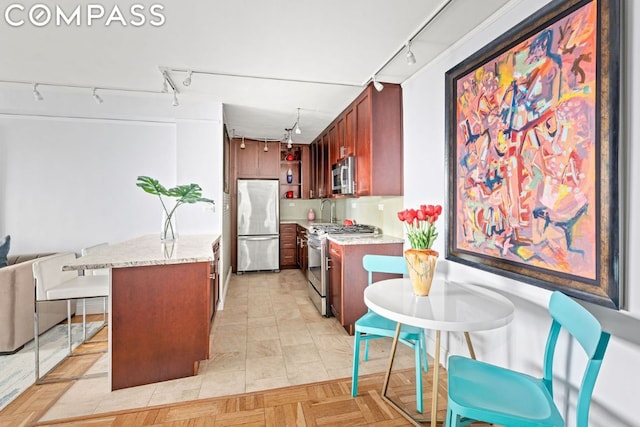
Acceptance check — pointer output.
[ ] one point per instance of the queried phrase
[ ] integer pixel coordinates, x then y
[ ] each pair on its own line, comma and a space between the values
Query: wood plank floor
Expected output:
323, 403
327, 403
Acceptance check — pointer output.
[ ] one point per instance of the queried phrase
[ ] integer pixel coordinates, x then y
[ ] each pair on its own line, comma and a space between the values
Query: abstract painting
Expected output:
532, 151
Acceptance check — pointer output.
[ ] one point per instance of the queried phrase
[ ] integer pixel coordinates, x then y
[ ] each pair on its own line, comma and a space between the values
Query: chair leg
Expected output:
356, 362
366, 350
418, 356
425, 356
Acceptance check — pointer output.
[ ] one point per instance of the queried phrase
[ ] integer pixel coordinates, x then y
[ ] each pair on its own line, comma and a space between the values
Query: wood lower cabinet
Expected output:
288, 248
302, 257
349, 279
167, 334
215, 282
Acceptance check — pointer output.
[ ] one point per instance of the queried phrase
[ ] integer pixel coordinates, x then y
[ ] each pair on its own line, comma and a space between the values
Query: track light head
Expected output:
187, 81
266, 147
165, 85
175, 99
298, 131
242, 146
96, 97
411, 59
289, 140
379, 86
36, 93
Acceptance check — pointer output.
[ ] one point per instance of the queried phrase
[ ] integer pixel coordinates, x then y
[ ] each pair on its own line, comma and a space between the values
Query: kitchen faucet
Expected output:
331, 207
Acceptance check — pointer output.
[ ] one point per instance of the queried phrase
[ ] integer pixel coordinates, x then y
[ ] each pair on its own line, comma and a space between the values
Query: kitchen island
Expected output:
159, 306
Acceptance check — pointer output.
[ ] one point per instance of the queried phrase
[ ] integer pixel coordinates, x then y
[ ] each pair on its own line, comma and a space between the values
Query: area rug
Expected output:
17, 371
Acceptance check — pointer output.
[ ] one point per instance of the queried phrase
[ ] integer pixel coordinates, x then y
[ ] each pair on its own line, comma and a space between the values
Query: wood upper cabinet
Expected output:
371, 130
334, 149
379, 151
346, 134
253, 162
348, 278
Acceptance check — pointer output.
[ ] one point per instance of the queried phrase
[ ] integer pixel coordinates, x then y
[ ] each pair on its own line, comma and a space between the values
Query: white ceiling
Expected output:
278, 45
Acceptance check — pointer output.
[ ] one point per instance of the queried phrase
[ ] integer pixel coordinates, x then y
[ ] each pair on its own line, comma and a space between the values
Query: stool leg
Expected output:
84, 319
69, 324
36, 340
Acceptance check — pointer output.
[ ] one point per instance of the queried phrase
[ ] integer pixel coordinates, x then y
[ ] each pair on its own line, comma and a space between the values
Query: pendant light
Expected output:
242, 146
266, 148
289, 140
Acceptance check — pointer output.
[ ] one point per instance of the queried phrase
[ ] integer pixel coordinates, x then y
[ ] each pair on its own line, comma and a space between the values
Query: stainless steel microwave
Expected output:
343, 176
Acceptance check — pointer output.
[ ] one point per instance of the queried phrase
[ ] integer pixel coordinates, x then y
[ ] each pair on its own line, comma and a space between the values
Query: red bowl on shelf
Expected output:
289, 157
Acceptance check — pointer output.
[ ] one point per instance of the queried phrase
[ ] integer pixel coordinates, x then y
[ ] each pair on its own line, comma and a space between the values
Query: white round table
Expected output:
450, 307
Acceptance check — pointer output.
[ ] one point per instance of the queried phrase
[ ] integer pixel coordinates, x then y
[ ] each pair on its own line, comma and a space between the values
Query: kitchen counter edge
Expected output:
148, 250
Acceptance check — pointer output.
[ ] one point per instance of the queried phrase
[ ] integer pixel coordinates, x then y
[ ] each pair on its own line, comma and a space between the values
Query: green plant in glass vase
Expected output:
189, 193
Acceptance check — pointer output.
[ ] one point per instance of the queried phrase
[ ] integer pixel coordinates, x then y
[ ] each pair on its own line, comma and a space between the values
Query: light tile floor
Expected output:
269, 335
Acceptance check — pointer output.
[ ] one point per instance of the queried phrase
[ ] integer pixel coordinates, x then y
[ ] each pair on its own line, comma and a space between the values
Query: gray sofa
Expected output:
16, 304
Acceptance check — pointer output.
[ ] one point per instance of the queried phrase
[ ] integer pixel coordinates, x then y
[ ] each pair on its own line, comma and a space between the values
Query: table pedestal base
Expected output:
419, 422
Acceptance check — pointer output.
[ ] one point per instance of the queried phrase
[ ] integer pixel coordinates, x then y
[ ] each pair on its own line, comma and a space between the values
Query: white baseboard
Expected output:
223, 291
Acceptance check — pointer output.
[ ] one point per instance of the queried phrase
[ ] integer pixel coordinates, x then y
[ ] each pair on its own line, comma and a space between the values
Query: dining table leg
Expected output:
472, 353
394, 346
436, 379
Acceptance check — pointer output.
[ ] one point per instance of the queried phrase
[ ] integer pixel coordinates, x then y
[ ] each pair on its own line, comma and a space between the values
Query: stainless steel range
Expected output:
318, 270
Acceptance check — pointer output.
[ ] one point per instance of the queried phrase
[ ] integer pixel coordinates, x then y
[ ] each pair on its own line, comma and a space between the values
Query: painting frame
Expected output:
537, 245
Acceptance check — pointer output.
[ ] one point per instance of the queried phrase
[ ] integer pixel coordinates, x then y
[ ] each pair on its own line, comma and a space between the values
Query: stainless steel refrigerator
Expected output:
258, 225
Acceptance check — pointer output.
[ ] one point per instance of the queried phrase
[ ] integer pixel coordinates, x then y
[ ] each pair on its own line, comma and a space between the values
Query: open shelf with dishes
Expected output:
291, 172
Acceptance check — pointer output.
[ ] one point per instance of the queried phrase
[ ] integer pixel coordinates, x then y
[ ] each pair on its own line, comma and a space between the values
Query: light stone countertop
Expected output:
148, 250
363, 239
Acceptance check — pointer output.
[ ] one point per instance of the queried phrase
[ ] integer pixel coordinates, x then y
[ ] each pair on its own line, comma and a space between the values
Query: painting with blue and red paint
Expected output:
526, 151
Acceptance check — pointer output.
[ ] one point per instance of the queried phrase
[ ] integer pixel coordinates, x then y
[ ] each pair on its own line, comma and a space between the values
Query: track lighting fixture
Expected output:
36, 93
298, 131
242, 146
289, 140
175, 99
165, 85
96, 97
187, 81
379, 86
266, 148
411, 59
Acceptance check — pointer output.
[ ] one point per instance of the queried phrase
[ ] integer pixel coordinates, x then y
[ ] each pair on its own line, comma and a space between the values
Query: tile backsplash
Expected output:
378, 211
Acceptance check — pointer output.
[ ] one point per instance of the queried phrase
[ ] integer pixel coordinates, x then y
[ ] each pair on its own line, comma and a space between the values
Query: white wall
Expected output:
521, 344
68, 166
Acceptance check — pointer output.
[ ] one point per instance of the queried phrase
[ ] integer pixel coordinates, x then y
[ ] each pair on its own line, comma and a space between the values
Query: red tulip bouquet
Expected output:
420, 225
421, 259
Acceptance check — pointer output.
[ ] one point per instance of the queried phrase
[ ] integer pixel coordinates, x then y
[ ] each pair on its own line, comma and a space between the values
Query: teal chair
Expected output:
373, 326
482, 392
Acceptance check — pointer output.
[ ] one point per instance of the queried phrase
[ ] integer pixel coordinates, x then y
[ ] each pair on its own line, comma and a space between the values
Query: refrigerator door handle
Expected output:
257, 238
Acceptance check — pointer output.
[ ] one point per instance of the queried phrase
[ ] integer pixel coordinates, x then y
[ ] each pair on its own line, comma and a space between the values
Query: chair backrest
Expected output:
47, 272
89, 250
384, 264
586, 330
